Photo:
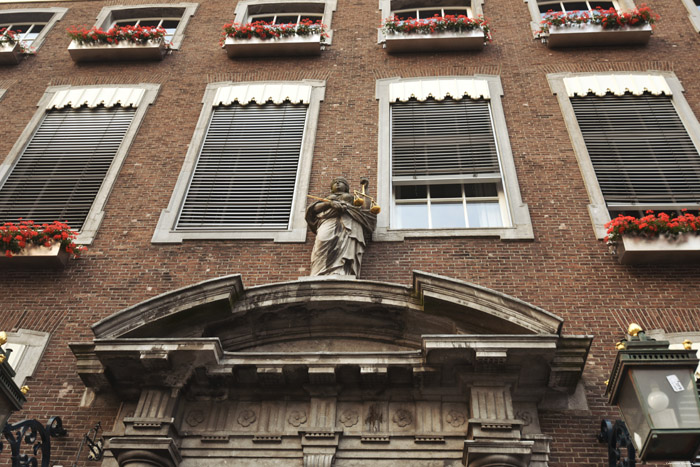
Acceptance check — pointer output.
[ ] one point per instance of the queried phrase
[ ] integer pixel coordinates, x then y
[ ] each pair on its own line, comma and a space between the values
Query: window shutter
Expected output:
62, 168
247, 169
437, 138
640, 150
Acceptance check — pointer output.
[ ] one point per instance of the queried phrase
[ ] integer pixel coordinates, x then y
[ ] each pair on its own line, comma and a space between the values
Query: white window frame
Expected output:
166, 231
46, 16
442, 9
693, 13
517, 224
620, 5
96, 214
112, 14
388, 7
299, 16
27, 349
597, 208
247, 10
160, 19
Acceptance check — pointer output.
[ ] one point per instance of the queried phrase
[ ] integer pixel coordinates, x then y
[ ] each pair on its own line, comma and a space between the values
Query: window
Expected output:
27, 347
279, 12
445, 161
539, 8
246, 173
693, 7
421, 9
429, 12
32, 26
69, 156
172, 17
636, 141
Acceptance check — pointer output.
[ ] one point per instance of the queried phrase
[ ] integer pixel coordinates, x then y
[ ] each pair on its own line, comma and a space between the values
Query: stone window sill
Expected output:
636, 250
116, 52
286, 46
595, 35
10, 54
442, 42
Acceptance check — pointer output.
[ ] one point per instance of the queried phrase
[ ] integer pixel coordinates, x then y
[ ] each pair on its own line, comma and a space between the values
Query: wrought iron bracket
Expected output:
621, 452
94, 443
32, 432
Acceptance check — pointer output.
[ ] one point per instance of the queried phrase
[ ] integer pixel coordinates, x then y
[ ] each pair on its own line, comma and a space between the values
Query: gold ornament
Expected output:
620, 346
3, 338
24, 390
687, 345
634, 329
2, 359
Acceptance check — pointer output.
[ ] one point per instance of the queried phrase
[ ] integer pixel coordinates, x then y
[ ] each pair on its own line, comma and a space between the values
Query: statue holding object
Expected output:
342, 222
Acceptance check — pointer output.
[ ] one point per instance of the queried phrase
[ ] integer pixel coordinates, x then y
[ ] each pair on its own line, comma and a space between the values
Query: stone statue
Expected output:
341, 229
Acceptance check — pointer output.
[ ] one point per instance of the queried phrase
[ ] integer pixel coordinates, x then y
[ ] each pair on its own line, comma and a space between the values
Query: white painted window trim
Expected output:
693, 13
94, 217
27, 349
109, 14
165, 230
521, 226
29, 15
597, 208
241, 13
622, 6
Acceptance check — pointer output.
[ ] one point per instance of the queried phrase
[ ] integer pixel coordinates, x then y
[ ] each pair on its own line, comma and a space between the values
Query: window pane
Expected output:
21, 27
264, 19
411, 192
286, 19
129, 22
480, 190
554, 7
455, 12
412, 216
429, 13
602, 5
447, 215
149, 22
446, 191
404, 15
484, 215
576, 6
313, 18
170, 24
37, 28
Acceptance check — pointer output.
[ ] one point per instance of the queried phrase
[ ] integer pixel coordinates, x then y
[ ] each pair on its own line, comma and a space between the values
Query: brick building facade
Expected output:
540, 268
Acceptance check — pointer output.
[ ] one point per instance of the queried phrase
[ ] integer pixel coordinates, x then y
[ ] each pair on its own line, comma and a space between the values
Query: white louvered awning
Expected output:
94, 97
262, 94
616, 84
439, 89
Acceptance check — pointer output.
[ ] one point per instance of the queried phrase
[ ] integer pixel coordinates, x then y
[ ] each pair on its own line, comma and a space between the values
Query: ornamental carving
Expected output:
374, 418
349, 418
246, 417
455, 418
195, 417
525, 416
403, 417
296, 417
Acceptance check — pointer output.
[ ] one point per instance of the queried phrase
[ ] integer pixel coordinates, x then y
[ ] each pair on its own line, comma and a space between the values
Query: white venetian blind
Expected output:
247, 168
641, 152
62, 168
437, 138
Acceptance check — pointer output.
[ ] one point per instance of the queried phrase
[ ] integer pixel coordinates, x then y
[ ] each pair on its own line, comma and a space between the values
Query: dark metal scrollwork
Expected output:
33, 433
621, 452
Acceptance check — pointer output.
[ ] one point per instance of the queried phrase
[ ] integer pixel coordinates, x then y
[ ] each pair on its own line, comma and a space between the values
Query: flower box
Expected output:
438, 42
290, 46
635, 249
594, 35
37, 257
121, 51
10, 53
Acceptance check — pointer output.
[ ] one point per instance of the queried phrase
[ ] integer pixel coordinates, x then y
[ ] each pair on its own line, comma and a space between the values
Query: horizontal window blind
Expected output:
58, 175
641, 152
437, 138
247, 168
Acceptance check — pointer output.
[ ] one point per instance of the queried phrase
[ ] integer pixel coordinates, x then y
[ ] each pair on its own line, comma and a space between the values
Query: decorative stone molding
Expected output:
145, 451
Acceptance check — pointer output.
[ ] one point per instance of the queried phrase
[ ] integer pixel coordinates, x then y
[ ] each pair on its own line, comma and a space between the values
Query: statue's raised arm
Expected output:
343, 224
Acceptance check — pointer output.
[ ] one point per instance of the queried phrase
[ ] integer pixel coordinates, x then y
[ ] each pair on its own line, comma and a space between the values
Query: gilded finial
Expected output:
607, 381
3, 337
24, 390
2, 359
619, 346
687, 345
634, 329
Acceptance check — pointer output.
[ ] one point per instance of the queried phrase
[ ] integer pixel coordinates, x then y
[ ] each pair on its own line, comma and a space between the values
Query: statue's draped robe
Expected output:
340, 239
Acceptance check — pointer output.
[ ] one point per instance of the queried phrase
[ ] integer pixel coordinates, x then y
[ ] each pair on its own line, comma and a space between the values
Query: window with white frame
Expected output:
280, 12
693, 7
31, 25
546, 6
636, 140
445, 161
422, 9
246, 173
430, 12
172, 17
63, 166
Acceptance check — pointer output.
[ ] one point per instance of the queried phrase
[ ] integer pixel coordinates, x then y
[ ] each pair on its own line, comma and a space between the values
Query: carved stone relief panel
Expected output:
350, 417
375, 417
527, 412
402, 417
454, 417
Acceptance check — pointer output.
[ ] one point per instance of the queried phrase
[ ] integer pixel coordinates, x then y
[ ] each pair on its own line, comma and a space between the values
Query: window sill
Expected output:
595, 35
116, 52
637, 250
10, 54
520, 232
287, 46
443, 42
37, 257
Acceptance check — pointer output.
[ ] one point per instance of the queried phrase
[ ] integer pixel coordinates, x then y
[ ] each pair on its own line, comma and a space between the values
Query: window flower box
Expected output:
10, 53
598, 27
655, 238
28, 245
683, 248
437, 34
117, 44
265, 39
